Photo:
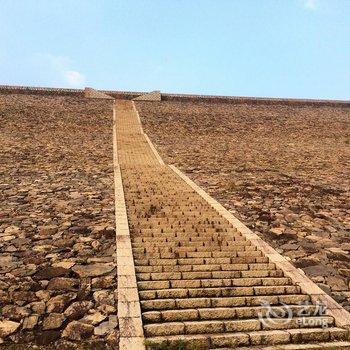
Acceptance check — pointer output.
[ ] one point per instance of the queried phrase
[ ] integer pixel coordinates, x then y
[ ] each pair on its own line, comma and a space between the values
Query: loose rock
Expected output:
30, 322
94, 318
53, 321
51, 272
106, 327
8, 327
63, 283
14, 312
77, 331
93, 270
78, 309
60, 302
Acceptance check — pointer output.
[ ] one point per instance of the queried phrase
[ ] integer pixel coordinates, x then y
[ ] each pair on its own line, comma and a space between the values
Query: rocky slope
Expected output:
57, 240
284, 171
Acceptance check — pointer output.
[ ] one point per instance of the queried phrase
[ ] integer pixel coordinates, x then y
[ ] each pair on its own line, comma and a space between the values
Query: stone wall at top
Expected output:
129, 95
30, 90
254, 100
44, 91
92, 93
151, 96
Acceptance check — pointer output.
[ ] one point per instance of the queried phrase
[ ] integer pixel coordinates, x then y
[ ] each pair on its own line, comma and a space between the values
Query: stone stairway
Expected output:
202, 284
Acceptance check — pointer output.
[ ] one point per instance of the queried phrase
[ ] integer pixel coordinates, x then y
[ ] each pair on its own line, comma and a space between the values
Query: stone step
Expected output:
185, 222
221, 326
248, 339
226, 263
339, 345
200, 238
194, 289
200, 254
179, 242
205, 267
157, 232
183, 226
196, 218
189, 267
210, 279
241, 274
254, 286
209, 247
140, 253
150, 301
191, 218
202, 272
199, 210
212, 313
214, 245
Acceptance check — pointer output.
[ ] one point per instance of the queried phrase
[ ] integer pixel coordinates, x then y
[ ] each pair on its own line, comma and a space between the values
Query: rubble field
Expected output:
282, 170
57, 237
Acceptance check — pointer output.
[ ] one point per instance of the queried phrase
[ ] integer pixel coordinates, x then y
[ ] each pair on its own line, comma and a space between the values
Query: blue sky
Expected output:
276, 48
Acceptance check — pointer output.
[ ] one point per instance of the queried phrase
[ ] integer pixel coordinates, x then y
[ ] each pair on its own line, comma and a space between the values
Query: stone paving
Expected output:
201, 282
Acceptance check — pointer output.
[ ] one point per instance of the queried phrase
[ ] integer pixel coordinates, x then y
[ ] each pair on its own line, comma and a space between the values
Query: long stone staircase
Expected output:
204, 283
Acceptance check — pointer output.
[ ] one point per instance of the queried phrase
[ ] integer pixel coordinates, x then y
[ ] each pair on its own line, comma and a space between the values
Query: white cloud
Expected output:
310, 4
60, 67
74, 78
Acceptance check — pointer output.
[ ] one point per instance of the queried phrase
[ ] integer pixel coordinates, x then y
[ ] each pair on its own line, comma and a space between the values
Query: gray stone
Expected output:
11, 231
64, 264
14, 312
38, 307
94, 318
107, 309
337, 283
78, 309
23, 297
7, 238
103, 282
27, 270
62, 283
325, 288
46, 231
78, 331
43, 295
8, 327
53, 321
277, 231
30, 322
93, 270
106, 327
103, 297
290, 246
51, 272
60, 302
319, 270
